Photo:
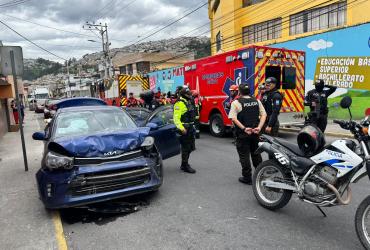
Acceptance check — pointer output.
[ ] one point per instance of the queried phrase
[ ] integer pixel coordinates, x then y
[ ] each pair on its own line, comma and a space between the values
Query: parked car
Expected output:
98, 153
50, 108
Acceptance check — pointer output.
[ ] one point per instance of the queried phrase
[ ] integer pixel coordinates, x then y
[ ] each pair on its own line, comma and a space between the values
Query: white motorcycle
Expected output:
322, 179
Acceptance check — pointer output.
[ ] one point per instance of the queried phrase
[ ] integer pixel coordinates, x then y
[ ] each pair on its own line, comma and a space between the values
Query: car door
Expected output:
165, 135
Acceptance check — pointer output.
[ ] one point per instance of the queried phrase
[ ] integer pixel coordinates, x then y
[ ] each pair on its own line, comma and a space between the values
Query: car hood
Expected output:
102, 144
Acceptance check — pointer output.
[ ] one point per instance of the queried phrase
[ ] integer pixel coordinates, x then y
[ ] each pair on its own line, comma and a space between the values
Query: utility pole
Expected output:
103, 31
69, 84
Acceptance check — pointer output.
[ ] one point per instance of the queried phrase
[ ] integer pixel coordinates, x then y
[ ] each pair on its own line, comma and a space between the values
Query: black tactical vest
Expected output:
249, 116
189, 116
267, 100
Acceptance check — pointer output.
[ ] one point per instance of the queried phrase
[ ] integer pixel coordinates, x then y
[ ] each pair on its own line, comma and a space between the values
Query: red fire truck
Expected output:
213, 76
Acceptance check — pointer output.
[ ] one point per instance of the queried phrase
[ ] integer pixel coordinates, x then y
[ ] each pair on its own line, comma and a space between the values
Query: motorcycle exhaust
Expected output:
339, 198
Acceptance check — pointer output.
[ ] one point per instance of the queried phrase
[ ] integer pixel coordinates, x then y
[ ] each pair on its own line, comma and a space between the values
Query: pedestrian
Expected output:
272, 100
14, 108
184, 118
249, 116
317, 100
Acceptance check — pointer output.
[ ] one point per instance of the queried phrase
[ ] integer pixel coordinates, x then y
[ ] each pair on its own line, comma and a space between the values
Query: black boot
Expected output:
187, 169
246, 180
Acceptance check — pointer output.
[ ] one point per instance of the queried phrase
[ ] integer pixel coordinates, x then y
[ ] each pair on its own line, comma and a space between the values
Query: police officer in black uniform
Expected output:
248, 115
150, 102
317, 100
272, 101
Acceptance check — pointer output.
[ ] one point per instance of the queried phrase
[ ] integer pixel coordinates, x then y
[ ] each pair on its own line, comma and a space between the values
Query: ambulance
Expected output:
213, 76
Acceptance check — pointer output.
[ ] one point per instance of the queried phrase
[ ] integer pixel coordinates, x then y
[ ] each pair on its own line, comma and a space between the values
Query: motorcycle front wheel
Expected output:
362, 222
270, 198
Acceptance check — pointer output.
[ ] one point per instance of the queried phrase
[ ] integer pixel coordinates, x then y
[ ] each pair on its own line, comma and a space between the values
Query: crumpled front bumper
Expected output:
87, 184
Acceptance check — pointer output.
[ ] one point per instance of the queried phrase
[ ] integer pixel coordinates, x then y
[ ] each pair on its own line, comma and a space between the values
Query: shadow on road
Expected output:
105, 212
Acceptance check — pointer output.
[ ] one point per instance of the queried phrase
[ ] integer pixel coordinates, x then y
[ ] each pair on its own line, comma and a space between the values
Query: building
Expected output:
320, 28
144, 62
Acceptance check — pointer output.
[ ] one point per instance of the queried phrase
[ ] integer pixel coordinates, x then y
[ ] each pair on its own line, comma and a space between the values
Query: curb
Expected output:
293, 130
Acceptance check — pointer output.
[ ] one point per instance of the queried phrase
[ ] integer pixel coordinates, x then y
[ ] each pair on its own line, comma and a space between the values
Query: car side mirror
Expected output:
38, 136
152, 126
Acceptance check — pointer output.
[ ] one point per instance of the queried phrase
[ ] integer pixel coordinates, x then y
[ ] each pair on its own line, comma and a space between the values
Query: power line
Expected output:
172, 23
25, 38
13, 3
239, 36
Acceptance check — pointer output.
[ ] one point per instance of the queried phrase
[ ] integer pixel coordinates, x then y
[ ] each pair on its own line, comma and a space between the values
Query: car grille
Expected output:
108, 181
100, 160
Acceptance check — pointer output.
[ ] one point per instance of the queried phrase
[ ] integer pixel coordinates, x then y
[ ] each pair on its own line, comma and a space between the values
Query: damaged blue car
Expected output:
98, 153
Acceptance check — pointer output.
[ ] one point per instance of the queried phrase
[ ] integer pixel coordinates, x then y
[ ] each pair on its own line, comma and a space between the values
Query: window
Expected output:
251, 2
262, 31
163, 118
215, 5
218, 41
273, 71
330, 16
289, 78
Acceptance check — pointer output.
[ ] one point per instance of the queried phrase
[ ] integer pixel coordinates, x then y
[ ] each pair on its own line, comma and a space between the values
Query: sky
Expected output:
128, 22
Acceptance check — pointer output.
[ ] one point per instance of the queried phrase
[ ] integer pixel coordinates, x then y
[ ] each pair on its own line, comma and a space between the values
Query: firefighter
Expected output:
317, 100
249, 116
272, 100
197, 105
234, 91
184, 118
131, 101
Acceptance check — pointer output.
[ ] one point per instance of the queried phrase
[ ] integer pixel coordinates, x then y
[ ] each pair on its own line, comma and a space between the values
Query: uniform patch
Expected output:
277, 102
177, 107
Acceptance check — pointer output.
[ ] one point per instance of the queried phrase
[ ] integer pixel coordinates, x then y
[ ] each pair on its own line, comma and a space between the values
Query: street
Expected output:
212, 210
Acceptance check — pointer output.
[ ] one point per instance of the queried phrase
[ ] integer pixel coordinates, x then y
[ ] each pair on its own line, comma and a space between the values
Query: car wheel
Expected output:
216, 125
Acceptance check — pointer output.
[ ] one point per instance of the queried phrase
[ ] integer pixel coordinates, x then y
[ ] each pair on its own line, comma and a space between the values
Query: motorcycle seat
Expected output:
301, 164
293, 147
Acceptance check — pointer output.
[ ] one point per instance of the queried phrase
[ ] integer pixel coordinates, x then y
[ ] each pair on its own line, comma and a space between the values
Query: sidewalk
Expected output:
331, 130
25, 224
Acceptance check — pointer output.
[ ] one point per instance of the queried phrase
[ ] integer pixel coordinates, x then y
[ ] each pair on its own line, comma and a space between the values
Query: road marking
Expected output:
59, 234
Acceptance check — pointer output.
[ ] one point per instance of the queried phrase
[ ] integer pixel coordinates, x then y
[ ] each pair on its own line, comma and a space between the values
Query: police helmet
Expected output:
186, 93
244, 89
272, 80
310, 140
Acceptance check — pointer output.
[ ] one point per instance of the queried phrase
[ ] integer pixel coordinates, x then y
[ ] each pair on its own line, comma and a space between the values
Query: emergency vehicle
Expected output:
126, 84
213, 76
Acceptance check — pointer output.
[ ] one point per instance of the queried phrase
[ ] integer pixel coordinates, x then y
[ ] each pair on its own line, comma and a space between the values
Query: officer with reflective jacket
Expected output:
317, 100
272, 101
248, 115
184, 118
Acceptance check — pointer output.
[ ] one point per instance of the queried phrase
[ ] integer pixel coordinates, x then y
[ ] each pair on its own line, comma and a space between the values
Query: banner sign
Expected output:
344, 72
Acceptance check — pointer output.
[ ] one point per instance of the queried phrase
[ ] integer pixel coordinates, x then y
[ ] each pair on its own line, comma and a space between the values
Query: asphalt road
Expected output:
212, 210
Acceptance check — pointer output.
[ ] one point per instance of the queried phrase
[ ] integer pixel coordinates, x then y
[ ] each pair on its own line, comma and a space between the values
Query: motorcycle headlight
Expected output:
148, 143
55, 161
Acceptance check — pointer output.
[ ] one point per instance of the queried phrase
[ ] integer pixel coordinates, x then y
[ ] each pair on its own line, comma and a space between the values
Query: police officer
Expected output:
317, 100
197, 105
272, 101
149, 102
184, 118
248, 115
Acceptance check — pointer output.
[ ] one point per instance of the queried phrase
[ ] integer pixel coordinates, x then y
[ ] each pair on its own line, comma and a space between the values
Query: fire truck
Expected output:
213, 76
126, 84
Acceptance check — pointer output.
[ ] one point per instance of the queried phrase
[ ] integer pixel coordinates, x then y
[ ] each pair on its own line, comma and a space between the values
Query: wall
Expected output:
231, 24
3, 120
353, 41
167, 80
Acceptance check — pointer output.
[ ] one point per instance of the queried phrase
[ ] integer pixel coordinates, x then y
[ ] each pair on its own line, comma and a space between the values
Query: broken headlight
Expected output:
55, 161
148, 143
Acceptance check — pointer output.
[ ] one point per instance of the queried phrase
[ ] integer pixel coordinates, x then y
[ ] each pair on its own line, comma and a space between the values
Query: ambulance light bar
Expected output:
294, 57
192, 67
245, 55
259, 55
301, 58
287, 56
187, 68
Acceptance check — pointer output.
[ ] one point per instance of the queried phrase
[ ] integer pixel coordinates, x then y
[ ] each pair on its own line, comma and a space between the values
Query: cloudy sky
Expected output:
128, 22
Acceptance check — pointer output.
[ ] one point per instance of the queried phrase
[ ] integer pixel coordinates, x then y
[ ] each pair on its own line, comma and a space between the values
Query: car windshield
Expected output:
41, 96
78, 123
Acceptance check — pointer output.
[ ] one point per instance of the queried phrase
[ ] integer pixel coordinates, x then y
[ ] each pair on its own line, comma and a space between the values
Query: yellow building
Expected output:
237, 23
